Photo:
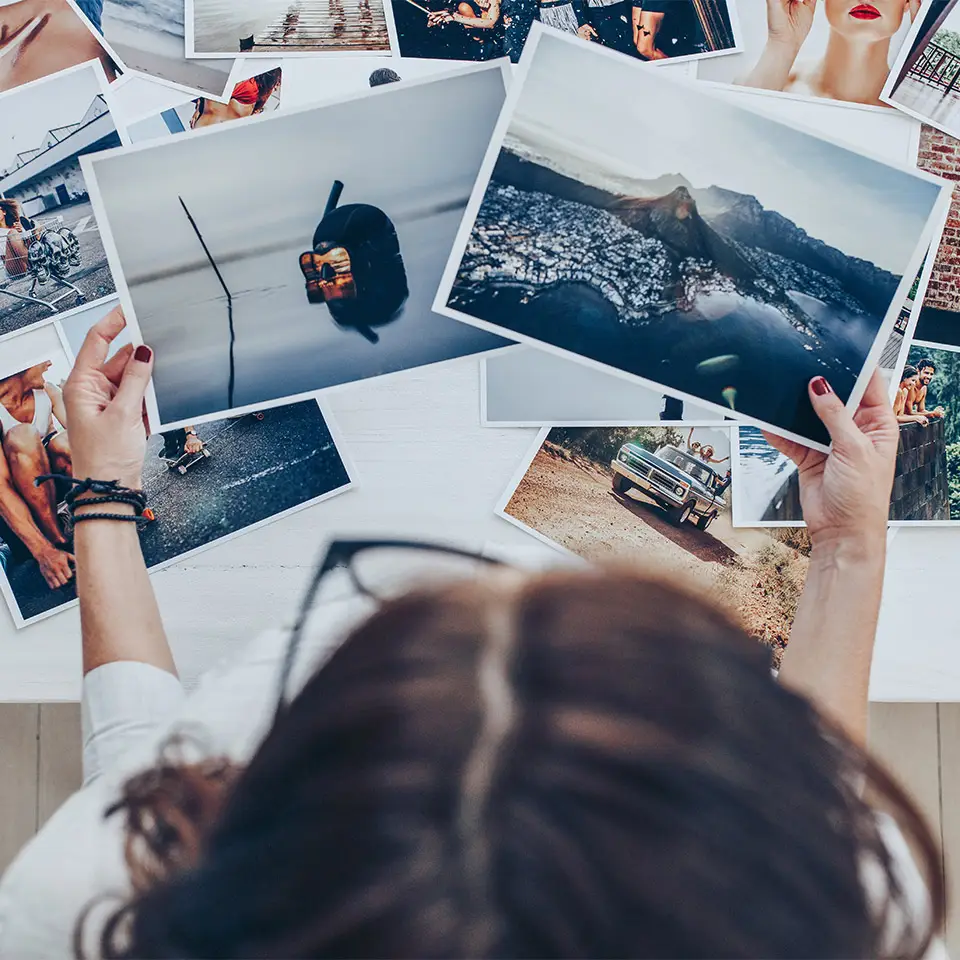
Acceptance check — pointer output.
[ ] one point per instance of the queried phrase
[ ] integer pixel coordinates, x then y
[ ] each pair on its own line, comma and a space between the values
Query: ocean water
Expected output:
762, 471
158, 16
218, 24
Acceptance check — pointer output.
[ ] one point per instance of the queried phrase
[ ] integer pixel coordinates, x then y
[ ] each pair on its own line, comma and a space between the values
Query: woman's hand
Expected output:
913, 7
846, 493
104, 401
789, 22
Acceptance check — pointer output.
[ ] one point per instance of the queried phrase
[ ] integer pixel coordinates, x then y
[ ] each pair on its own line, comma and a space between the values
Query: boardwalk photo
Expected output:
271, 28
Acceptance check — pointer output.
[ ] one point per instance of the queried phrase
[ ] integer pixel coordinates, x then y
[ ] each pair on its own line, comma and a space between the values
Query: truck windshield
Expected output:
694, 468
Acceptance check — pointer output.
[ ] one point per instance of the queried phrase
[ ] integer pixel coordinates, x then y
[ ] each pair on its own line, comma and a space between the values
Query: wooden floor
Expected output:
40, 767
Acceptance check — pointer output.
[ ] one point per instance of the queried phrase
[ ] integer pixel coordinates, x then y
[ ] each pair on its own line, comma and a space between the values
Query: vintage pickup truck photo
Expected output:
682, 484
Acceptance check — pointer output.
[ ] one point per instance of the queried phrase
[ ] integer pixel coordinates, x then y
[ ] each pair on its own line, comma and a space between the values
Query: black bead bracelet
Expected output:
106, 491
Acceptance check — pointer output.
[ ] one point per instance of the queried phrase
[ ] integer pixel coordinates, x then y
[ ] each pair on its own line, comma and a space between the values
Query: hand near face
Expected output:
789, 21
913, 8
586, 32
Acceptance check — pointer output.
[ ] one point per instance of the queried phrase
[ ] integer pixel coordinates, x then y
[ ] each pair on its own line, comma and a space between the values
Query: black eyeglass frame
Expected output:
340, 555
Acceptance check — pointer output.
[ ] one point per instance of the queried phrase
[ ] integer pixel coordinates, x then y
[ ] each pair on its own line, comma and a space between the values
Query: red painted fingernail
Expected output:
143, 353
820, 386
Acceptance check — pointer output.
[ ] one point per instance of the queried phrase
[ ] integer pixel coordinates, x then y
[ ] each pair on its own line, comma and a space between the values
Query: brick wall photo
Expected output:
940, 155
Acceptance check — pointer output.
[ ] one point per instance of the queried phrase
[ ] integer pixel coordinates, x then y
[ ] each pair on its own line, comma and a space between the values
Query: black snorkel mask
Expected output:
355, 266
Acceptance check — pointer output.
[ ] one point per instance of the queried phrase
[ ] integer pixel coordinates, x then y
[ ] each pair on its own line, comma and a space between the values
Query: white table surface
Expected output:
426, 468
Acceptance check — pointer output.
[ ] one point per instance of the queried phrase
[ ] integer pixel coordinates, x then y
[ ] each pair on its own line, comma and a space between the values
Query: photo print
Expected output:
248, 304
659, 495
645, 30
526, 387
923, 81
39, 38
673, 237
285, 28
53, 255
839, 50
259, 94
939, 319
926, 487
148, 36
204, 484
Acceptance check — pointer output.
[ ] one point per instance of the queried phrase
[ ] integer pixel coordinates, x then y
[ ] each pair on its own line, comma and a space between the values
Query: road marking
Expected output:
81, 225
270, 470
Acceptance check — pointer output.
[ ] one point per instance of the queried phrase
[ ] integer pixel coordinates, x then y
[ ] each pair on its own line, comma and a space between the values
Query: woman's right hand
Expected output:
845, 494
789, 22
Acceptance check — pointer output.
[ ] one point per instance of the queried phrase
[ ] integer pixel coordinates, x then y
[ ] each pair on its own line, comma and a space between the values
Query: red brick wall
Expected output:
940, 154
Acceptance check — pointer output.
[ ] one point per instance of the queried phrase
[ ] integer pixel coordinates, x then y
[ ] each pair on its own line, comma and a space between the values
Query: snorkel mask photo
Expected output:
355, 267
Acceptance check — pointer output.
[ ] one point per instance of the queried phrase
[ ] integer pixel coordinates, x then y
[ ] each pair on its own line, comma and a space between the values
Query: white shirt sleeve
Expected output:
121, 702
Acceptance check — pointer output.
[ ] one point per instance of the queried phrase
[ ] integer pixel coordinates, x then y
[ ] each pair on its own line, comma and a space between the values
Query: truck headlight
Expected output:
621, 456
679, 491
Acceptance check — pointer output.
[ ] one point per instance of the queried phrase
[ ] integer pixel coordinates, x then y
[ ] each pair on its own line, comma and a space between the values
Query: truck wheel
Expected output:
704, 522
621, 484
679, 515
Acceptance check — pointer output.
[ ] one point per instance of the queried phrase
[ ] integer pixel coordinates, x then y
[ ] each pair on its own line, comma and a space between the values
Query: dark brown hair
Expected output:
578, 764
10, 210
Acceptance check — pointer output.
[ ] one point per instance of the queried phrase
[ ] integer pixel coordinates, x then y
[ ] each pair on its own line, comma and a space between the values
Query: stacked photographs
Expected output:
53, 253
835, 50
250, 304
923, 81
659, 497
204, 484
648, 31
699, 257
287, 28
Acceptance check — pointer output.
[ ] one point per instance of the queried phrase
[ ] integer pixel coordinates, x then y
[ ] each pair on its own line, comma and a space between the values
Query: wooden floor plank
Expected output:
59, 768
18, 777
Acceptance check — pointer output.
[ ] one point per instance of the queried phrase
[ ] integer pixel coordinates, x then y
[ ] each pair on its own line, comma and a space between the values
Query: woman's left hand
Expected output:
104, 401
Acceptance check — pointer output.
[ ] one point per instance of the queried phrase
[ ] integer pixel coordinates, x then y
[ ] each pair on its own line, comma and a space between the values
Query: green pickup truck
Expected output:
682, 484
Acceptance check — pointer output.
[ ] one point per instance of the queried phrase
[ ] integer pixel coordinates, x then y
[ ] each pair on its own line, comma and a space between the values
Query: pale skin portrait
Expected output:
855, 62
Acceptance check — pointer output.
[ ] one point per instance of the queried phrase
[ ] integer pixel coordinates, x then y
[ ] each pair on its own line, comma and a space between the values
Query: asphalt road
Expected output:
92, 276
257, 469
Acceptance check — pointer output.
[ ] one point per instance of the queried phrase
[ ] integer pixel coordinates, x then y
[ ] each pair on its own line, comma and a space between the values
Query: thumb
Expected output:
831, 411
136, 376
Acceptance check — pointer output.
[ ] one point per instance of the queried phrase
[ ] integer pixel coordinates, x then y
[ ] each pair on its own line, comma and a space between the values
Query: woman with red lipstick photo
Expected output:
852, 64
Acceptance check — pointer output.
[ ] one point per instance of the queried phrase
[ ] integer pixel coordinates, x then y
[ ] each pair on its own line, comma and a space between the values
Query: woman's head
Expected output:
865, 21
577, 764
909, 377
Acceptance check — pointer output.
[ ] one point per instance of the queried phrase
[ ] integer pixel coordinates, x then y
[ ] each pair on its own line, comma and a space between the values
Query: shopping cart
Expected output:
53, 252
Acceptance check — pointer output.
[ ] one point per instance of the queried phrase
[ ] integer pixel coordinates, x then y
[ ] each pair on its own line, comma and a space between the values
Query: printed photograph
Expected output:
526, 387
727, 258
203, 483
923, 81
248, 301
939, 320
926, 488
272, 28
148, 36
659, 496
259, 94
839, 50
39, 38
53, 254
646, 30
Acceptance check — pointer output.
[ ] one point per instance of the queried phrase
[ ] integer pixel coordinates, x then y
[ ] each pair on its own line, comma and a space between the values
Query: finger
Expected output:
789, 448
832, 413
114, 367
96, 344
876, 393
136, 376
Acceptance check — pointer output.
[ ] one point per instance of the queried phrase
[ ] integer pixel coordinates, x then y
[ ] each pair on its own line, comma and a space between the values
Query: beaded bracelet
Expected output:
107, 491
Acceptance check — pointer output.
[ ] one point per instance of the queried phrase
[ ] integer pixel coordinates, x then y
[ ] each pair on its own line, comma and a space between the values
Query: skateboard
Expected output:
186, 460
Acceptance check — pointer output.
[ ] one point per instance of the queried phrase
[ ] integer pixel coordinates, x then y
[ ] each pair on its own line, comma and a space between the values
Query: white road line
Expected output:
278, 468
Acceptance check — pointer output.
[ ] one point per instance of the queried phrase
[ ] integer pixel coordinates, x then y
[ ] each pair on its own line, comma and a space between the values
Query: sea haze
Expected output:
219, 24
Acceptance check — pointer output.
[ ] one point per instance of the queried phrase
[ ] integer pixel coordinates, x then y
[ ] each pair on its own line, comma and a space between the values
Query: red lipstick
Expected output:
865, 11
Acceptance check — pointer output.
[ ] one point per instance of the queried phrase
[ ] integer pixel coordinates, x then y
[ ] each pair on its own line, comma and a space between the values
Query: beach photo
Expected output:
203, 483
274, 28
839, 50
652, 31
53, 255
249, 98
676, 238
148, 36
926, 486
923, 81
659, 496
526, 387
39, 38
330, 281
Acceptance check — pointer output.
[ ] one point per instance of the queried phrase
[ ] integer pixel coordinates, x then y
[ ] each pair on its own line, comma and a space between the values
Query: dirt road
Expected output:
571, 502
